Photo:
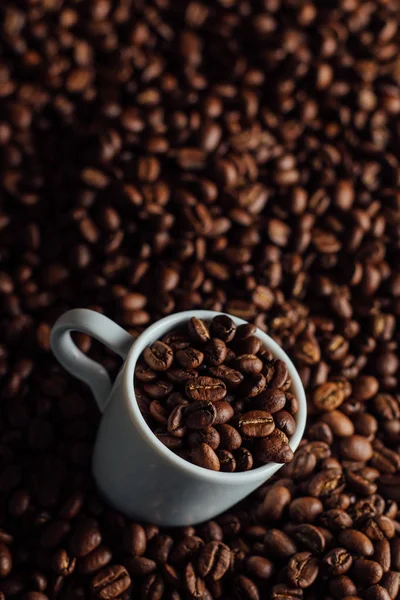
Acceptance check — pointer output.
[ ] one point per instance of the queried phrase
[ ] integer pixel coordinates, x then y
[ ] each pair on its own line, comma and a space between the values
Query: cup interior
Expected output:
156, 332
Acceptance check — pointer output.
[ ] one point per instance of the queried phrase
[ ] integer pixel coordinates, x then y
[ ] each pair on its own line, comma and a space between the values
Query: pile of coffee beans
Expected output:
239, 156
214, 395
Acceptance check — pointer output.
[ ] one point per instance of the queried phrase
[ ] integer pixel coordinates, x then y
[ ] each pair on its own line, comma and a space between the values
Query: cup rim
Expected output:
158, 330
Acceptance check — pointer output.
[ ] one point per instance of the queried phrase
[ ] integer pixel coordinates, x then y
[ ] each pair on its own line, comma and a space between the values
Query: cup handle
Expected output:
75, 362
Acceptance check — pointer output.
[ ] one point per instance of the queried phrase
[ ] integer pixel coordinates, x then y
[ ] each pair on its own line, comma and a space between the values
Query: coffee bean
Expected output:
95, 561
253, 385
274, 503
225, 412
176, 421
227, 461
277, 543
110, 582
391, 582
256, 423
189, 358
230, 438
285, 422
271, 400
214, 560
152, 587
62, 563
194, 584
341, 587
249, 364
180, 375
223, 328
273, 448
205, 389
328, 396
356, 447
382, 554
309, 537
302, 569
208, 436
337, 561
356, 542
159, 356
229, 376
140, 566
245, 589
305, 509
134, 540
215, 352
340, 425
204, 456
366, 572
85, 538
199, 415
244, 459
5, 561
198, 330
283, 591
326, 483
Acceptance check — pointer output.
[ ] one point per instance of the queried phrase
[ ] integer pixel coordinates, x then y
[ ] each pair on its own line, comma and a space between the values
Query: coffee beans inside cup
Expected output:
215, 396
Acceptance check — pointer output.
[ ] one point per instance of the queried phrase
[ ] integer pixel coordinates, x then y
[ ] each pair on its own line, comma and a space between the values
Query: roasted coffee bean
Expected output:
159, 356
366, 572
356, 447
274, 503
382, 554
277, 543
198, 330
225, 412
391, 582
339, 423
259, 567
194, 584
205, 389
231, 377
285, 422
305, 510
62, 563
253, 385
134, 540
180, 376
176, 421
189, 358
309, 537
245, 589
223, 328
328, 396
249, 364
5, 561
244, 459
227, 461
152, 587
204, 456
158, 389
200, 415
337, 561
209, 436
85, 538
341, 587
110, 582
273, 448
271, 400
95, 561
256, 423
230, 438
302, 569
215, 352
214, 560
336, 519
327, 482
356, 542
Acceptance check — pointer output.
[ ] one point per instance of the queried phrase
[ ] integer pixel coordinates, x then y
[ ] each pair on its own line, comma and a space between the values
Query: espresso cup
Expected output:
134, 471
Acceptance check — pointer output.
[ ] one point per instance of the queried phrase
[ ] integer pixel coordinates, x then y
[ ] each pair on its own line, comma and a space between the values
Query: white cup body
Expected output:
142, 478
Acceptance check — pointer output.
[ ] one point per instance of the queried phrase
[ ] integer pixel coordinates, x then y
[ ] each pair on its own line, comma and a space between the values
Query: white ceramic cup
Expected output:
134, 471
